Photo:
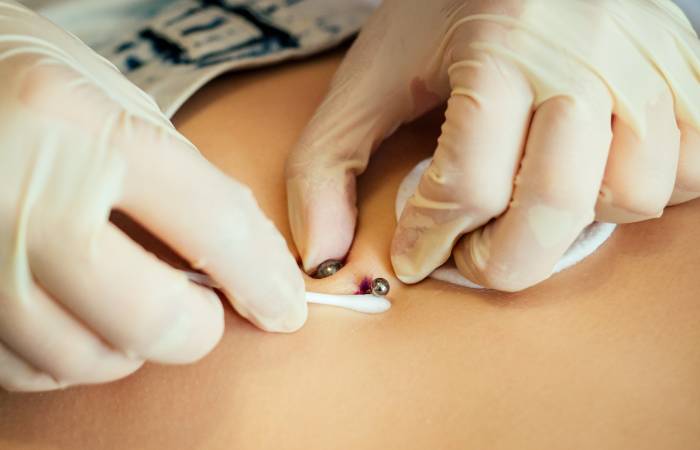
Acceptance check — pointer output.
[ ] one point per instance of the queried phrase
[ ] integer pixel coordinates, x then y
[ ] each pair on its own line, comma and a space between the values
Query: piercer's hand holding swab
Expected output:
79, 301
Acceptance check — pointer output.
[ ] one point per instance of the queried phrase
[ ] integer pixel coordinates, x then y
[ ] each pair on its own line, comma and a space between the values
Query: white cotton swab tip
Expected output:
368, 304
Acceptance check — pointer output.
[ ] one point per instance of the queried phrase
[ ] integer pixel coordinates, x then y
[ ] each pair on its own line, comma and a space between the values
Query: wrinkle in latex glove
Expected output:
80, 302
558, 114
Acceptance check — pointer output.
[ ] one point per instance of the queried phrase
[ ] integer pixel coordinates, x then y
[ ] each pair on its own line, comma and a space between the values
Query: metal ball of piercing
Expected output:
328, 268
380, 287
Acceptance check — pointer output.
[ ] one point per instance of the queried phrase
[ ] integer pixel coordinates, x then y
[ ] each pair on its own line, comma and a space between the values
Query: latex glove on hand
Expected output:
79, 301
558, 113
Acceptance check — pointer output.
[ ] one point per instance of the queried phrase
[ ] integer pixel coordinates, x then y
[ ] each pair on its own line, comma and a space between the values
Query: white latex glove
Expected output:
79, 301
559, 112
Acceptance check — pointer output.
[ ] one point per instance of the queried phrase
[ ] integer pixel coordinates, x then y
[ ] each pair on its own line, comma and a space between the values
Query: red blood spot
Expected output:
365, 286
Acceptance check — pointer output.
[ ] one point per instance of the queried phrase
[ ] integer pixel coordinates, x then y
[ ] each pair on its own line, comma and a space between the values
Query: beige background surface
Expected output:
605, 355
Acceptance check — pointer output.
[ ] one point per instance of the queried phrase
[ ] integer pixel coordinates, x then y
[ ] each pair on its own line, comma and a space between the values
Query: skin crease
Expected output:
603, 355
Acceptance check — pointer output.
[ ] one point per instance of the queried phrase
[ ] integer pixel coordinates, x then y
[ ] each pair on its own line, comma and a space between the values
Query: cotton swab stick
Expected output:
368, 304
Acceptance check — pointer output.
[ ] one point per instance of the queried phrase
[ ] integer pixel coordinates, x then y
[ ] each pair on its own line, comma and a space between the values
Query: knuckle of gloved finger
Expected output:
299, 163
509, 273
150, 326
17, 383
169, 332
567, 110
481, 197
46, 89
637, 198
577, 196
77, 363
558, 187
74, 363
310, 162
688, 177
688, 168
22, 382
51, 235
496, 279
43, 87
491, 274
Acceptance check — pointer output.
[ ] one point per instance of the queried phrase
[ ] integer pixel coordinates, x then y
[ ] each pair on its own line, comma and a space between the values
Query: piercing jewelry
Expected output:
328, 268
380, 287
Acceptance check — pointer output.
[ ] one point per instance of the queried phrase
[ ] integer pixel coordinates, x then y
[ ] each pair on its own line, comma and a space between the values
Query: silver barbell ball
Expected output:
380, 287
328, 268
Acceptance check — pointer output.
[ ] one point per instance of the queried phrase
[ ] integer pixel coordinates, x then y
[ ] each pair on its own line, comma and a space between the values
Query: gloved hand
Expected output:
559, 113
79, 301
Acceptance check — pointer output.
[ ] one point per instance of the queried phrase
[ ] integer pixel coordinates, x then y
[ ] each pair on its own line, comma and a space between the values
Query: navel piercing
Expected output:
328, 268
